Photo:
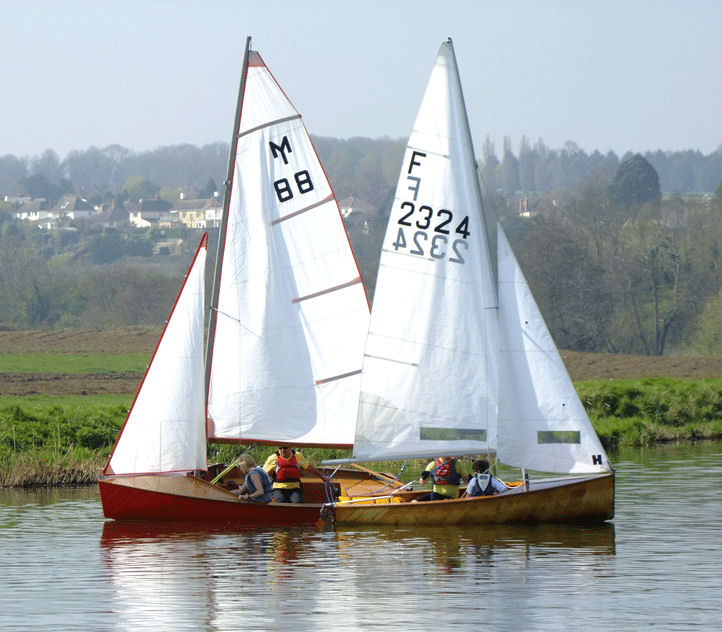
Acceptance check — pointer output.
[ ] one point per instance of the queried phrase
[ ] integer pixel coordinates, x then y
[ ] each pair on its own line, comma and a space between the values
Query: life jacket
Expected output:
265, 484
287, 470
445, 473
484, 483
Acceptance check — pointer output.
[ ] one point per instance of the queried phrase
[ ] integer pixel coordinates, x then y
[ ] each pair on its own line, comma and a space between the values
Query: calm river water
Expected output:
63, 567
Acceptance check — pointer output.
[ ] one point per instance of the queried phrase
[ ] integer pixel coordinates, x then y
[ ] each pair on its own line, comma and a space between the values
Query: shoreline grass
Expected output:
48, 440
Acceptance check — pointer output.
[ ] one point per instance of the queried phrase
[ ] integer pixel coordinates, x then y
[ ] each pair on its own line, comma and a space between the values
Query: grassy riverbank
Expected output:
64, 395
55, 440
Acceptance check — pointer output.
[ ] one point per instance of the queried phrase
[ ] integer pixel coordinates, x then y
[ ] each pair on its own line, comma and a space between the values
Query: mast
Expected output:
213, 307
475, 167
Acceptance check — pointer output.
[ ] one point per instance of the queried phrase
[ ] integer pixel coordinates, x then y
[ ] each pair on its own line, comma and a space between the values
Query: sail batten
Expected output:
269, 124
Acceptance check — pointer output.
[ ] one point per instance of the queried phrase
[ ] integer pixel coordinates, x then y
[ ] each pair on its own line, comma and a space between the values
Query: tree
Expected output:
636, 182
509, 169
139, 188
707, 340
491, 162
38, 186
568, 286
208, 190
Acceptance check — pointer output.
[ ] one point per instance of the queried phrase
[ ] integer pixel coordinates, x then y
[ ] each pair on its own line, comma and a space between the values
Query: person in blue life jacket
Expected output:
446, 473
257, 486
482, 483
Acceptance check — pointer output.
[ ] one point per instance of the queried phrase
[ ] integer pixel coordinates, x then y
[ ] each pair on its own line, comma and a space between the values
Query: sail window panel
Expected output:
451, 434
558, 436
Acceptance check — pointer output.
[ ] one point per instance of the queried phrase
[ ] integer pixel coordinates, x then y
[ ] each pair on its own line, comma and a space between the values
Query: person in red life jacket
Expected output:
446, 473
284, 467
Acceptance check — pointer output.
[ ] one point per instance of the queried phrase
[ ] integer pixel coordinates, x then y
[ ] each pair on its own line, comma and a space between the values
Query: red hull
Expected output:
191, 500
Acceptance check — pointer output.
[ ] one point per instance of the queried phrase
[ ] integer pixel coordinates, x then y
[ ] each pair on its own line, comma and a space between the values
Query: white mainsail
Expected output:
542, 423
165, 428
292, 312
429, 383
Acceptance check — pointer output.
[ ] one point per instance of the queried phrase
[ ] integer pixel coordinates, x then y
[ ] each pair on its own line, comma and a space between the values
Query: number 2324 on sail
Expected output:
441, 243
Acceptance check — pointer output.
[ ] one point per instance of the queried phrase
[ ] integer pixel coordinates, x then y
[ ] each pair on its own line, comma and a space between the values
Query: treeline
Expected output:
359, 166
614, 265
85, 278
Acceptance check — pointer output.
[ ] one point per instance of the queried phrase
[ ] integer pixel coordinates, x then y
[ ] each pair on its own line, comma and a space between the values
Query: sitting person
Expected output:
257, 486
446, 473
482, 483
284, 467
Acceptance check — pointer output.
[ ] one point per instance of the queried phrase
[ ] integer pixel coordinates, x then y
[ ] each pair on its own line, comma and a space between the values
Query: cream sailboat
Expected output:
288, 319
449, 368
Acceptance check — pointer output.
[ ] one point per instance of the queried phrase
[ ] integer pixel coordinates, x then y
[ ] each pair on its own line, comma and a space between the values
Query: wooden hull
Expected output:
188, 499
588, 499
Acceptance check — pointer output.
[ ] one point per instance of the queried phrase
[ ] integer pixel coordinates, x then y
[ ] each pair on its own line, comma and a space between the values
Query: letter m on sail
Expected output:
284, 147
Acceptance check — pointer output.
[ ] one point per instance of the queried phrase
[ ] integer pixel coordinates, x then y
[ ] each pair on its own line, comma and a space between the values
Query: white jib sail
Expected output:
542, 423
429, 383
165, 429
292, 313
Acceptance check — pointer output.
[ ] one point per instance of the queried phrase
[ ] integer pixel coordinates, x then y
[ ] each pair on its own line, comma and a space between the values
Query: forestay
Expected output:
429, 383
542, 423
292, 312
164, 430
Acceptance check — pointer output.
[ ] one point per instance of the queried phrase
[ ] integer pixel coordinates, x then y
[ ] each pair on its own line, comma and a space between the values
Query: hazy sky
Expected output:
607, 74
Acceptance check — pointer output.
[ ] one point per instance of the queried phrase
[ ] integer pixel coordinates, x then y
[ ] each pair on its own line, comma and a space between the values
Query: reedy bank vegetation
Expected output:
67, 439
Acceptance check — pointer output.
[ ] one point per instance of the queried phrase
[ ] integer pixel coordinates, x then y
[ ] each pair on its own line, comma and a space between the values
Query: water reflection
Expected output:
188, 576
65, 568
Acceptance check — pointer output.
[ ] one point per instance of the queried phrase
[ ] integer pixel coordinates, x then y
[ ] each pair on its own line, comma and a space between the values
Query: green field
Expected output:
60, 363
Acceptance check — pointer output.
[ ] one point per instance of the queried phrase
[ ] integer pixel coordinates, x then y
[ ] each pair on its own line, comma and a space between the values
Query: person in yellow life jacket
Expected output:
284, 467
446, 473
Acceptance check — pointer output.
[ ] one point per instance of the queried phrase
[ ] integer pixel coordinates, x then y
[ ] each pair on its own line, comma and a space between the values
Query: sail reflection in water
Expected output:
174, 576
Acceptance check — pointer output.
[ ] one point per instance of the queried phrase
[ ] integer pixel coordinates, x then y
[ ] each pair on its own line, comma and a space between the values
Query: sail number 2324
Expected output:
433, 233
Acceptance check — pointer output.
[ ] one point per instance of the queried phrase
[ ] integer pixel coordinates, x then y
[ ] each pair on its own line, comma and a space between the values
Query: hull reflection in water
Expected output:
186, 575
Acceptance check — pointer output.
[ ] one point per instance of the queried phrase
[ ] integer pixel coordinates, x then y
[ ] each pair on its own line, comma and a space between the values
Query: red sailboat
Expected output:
288, 320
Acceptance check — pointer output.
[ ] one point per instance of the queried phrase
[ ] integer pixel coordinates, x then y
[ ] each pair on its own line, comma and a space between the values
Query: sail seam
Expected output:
375, 357
328, 198
269, 124
337, 377
427, 151
327, 291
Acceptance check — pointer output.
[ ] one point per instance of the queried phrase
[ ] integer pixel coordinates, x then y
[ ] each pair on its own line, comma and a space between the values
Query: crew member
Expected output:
446, 473
284, 467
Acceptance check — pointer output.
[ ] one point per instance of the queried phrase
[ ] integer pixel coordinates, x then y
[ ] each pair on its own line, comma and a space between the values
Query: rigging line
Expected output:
327, 290
269, 124
328, 198
236, 320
